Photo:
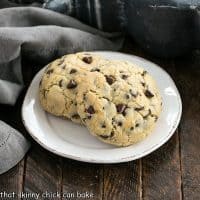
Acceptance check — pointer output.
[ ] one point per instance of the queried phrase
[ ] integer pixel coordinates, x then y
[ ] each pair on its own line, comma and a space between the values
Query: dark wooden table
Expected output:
172, 172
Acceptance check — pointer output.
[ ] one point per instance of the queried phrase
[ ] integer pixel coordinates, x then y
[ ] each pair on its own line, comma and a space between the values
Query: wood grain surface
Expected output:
122, 181
188, 76
172, 172
80, 177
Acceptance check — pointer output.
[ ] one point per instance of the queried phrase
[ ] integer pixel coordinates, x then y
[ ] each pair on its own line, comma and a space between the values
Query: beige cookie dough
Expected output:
119, 103
61, 80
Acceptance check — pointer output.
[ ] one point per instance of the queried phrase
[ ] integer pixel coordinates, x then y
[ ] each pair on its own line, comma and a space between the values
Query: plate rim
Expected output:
119, 160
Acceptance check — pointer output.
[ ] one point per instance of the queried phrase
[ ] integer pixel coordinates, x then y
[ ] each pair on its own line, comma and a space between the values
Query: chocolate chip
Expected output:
75, 116
119, 123
106, 98
112, 134
137, 125
61, 61
107, 136
60, 83
73, 71
84, 97
63, 66
104, 136
90, 110
121, 108
124, 76
89, 117
127, 96
133, 94
49, 71
156, 118
40, 83
44, 93
139, 108
103, 126
95, 70
110, 79
72, 84
124, 113
84, 119
143, 84
148, 94
131, 128
87, 59
149, 113
144, 73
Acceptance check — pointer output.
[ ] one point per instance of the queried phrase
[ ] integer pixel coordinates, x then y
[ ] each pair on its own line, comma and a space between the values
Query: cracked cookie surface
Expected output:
61, 80
119, 103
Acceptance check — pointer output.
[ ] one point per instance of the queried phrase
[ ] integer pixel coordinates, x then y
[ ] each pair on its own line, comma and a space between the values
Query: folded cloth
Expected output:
41, 34
38, 35
13, 147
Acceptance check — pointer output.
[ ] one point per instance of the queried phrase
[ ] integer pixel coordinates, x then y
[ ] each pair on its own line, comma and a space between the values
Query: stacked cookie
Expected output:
117, 101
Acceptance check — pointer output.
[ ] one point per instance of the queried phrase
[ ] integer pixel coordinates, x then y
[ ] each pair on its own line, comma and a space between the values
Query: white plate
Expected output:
70, 140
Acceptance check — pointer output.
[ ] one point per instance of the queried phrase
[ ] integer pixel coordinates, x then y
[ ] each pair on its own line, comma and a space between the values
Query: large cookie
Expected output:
60, 82
119, 103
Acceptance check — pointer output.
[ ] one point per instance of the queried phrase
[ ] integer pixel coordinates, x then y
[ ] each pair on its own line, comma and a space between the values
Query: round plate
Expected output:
71, 140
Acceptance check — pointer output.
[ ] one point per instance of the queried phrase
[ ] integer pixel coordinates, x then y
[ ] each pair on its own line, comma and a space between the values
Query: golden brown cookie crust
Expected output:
119, 104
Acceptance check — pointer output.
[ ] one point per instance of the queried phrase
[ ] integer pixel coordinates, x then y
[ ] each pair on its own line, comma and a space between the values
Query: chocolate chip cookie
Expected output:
60, 82
119, 103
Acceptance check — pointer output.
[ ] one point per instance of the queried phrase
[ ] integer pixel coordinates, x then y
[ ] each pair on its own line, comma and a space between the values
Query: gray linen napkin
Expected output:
39, 35
13, 147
